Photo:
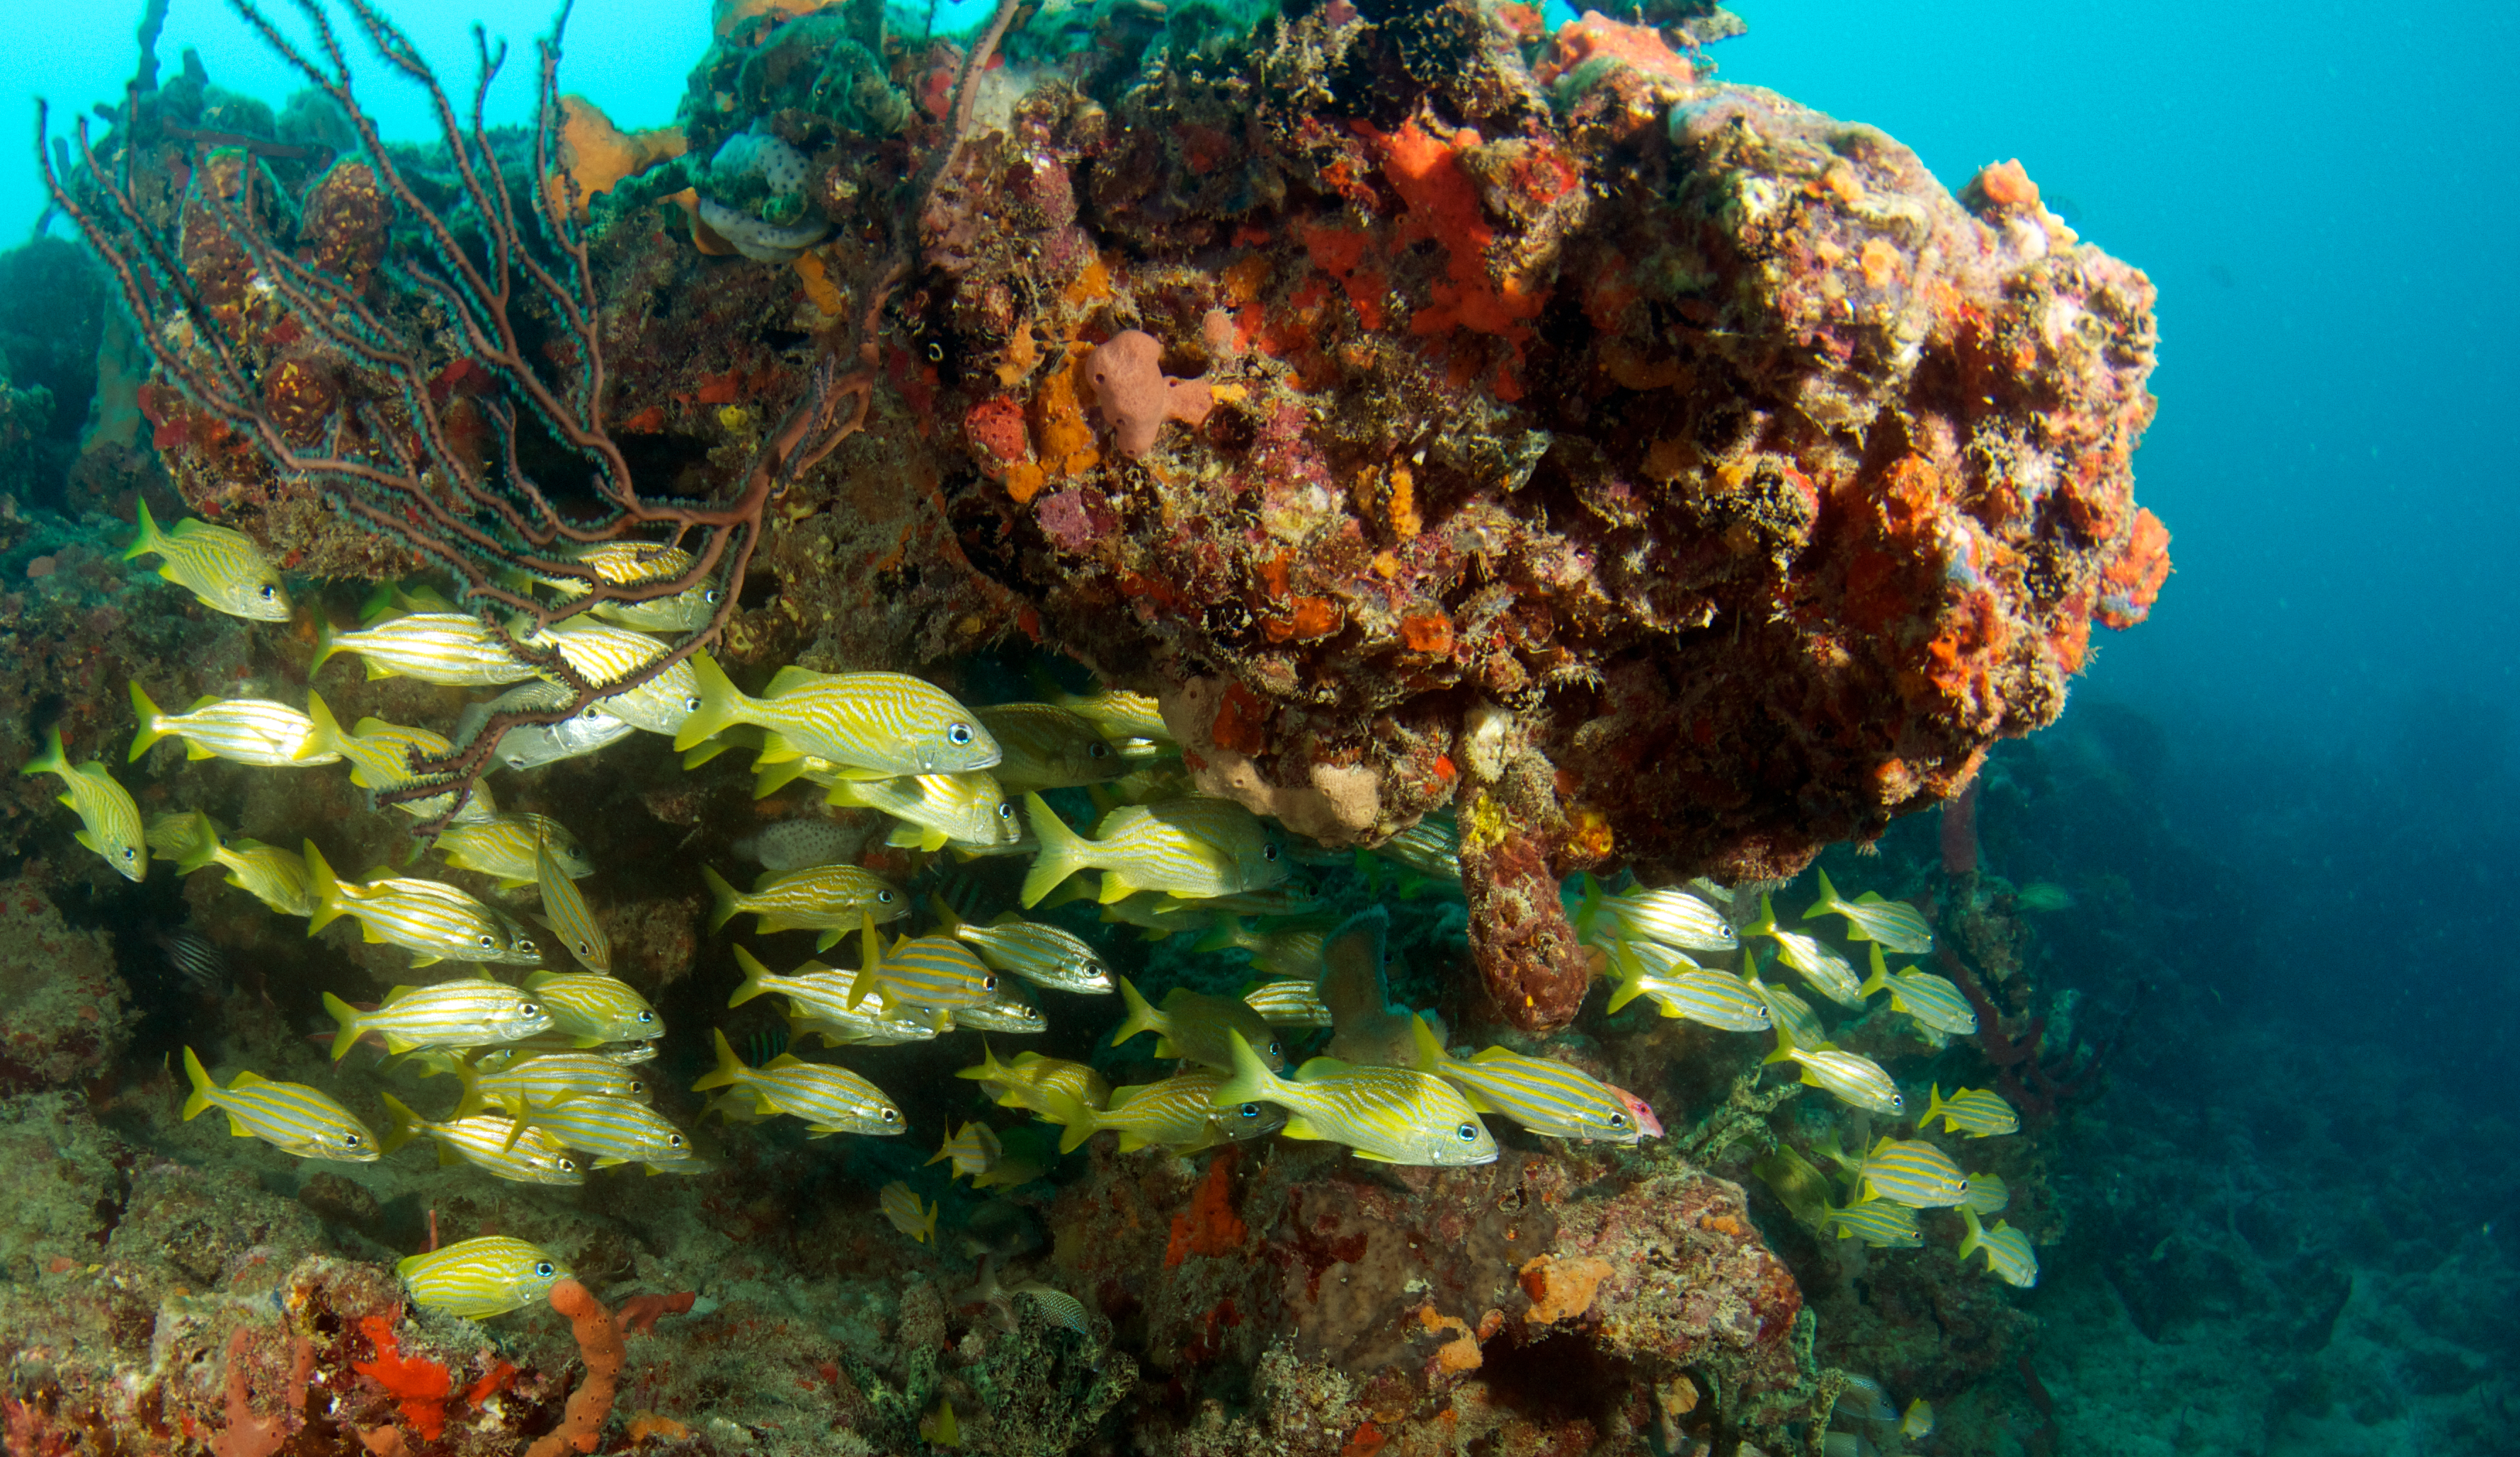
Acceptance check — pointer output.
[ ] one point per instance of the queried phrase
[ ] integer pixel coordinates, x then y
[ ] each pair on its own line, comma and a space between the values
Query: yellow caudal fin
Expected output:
1975, 1239
1934, 1109
1430, 1055
870, 957
1142, 1016
1879, 980
723, 896
403, 1125
200, 1102
721, 705
149, 714
753, 985
1079, 1121
1785, 1048
1063, 852
474, 1099
51, 761
1251, 1080
730, 1069
149, 542
323, 891
348, 1016
327, 644
1829, 899
326, 737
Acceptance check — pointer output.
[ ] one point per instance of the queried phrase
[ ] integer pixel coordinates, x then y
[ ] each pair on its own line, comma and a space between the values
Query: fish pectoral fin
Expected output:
84, 837
194, 750
1300, 1126
1372, 1158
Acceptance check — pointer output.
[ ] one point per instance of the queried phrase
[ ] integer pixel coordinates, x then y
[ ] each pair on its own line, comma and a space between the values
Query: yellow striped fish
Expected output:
887, 723
1033, 1082
289, 1116
274, 876
816, 990
1987, 1194
487, 1141
1978, 1112
1825, 969
1195, 1026
468, 1012
605, 655
1895, 924
1005, 1009
594, 1008
542, 1079
223, 568
1049, 747
1120, 714
1878, 1222
111, 820
1288, 1001
1191, 847
922, 971
1713, 998
904, 1210
616, 1130
503, 846
972, 1149
479, 1278
1432, 847
246, 730
429, 918
1544, 1096
1293, 950
1852, 1077
1178, 1112
1670, 915
572, 919
2008, 1254
628, 563
1787, 1010
1917, 1421
1913, 1173
453, 650
1933, 1001
1389, 1115
830, 1100
869, 1025
180, 836
380, 756
937, 810
1044, 955
819, 898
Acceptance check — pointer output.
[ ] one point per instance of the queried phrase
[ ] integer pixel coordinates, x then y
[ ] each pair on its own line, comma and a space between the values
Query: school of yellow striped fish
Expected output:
549, 1064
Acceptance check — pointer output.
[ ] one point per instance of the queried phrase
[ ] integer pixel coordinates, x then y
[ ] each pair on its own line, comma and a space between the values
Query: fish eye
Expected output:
565, 1165
891, 1116
958, 733
673, 1140
1276, 1050
713, 596
883, 898
543, 1268
529, 1009
1469, 1132
1247, 1110
1618, 1120
349, 1140
590, 711
988, 984
269, 591
692, 705
128, 852
489, 943
1006, 811
637, 1087
645, 1017
1098, 751
1269, 852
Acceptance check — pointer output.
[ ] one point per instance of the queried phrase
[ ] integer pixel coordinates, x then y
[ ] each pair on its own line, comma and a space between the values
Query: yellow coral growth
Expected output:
596, 154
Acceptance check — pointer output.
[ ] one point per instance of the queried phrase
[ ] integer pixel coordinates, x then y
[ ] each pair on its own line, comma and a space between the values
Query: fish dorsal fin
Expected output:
1322, 1067
246, 1079
789, 679
1120, 1096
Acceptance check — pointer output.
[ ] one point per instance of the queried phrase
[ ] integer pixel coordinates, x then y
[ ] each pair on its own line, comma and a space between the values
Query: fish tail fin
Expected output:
926, 1234
1079, 1121
147, 714
1225, 934
1422, 1041
327, 644
200, 1102
1829, 897
474, 1099
721, 894
753, 982
870, 955
1630, 985
728, 1070
1975, 1239
1251, 1080
1879, 980
1934, 1109
348, 1016
1766, 924
322, 891
1141, 1015
52, 760
200, 859
948, 921
403, 1125
721, 705
1785, 1048
149, 542
326, 737
1063, 852
1588, 907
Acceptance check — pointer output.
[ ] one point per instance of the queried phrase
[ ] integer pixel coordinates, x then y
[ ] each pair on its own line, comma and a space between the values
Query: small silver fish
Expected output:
1288, 1001
1826, 970
534, 745
1936, 1004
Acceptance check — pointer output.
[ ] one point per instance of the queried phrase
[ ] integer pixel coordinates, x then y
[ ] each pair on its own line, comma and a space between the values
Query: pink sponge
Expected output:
1127, 375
